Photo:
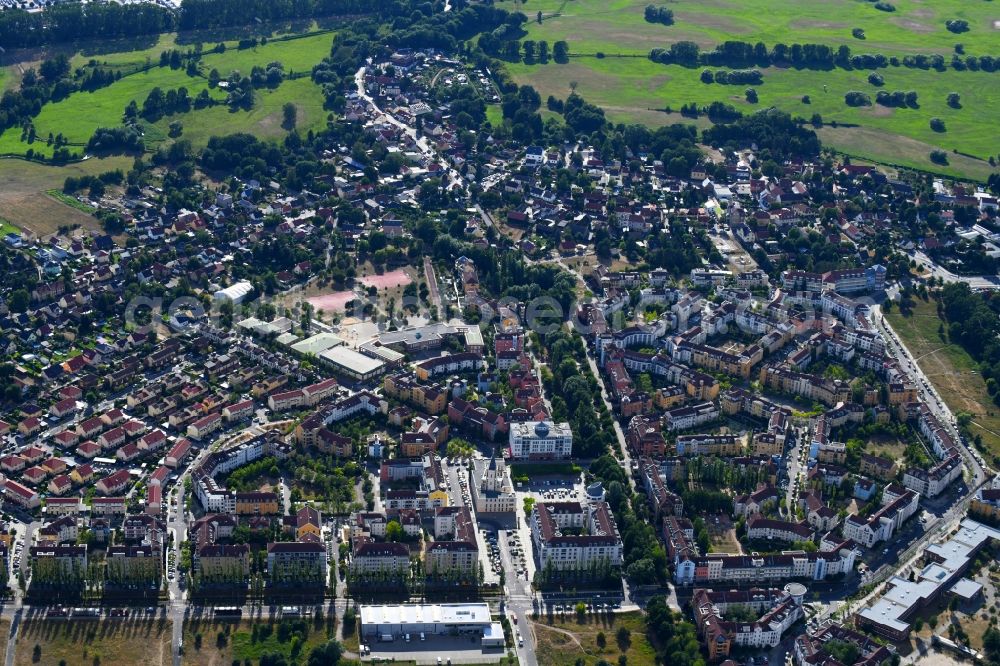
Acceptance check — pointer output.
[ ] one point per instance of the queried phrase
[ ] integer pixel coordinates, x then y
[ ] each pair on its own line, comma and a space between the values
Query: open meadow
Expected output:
94, 642
77, 116
632, 88
562, 641
619, 26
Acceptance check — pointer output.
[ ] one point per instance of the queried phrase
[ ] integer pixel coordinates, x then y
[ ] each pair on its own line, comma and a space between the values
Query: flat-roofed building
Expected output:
353, 364
540, 440
387, 622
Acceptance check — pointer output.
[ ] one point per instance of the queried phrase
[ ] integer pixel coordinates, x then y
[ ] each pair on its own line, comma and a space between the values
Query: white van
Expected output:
407, 638
422, 637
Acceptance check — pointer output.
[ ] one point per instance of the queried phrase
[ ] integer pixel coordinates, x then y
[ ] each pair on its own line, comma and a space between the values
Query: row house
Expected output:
113, 483
685, 418
178, 453
205, 426
448, 364
708, 445
238, 411
107, 506
759, 527
758, 569
21, 495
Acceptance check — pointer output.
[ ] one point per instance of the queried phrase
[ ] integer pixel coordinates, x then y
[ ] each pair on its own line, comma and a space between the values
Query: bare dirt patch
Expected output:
335, 302
823, 25
23, 201
912, 26
396, 278
879, 111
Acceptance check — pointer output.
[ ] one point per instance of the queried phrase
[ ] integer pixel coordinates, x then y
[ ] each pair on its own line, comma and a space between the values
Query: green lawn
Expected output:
952, 371
72, 202
634, 88
494, 114
127, 59
7, 228
297, 54
263, 120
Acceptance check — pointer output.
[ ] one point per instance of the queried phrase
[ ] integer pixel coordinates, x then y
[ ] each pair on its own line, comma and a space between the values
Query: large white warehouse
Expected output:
385, 623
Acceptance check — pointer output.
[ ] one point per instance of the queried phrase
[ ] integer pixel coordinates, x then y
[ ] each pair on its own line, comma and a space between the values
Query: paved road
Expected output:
974, 281
795, 464
432, 285
455, 180
518, 604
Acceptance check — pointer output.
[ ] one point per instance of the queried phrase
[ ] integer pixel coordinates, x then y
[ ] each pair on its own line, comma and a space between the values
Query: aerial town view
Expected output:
537, 332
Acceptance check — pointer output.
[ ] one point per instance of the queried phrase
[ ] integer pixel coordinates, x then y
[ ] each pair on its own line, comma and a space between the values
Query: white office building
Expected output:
540, 440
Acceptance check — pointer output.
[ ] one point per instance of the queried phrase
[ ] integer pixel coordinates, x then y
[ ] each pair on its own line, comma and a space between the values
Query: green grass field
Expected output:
77, 116
297, 54
128, 59
619, 27
632, 88
263, 120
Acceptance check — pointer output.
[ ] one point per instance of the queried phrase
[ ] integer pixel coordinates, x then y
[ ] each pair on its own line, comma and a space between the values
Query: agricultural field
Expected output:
633, 88
94, 642
24, 198
950, 368
77, 116
561, 641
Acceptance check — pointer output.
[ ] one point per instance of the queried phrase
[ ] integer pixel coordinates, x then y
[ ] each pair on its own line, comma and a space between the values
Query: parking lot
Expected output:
456, 472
